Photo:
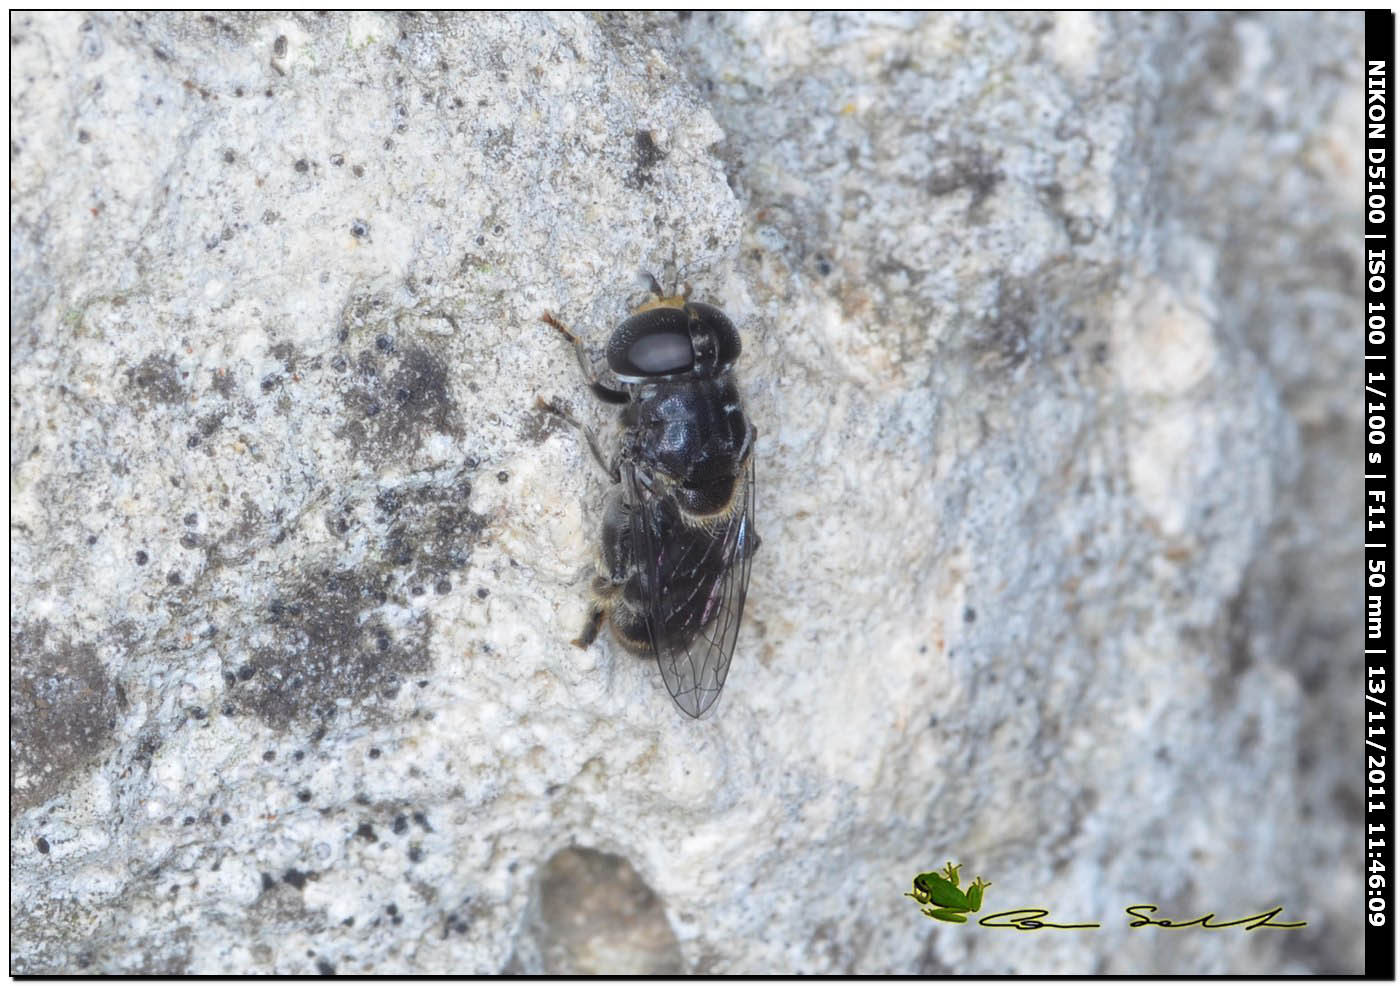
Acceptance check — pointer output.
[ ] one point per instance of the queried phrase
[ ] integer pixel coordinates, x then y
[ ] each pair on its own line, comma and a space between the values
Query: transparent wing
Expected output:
694, 583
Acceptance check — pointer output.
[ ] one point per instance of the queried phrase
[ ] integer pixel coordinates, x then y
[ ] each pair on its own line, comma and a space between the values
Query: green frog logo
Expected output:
940, 897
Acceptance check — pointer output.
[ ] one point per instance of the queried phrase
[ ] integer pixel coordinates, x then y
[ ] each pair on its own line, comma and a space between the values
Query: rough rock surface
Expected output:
1048, 322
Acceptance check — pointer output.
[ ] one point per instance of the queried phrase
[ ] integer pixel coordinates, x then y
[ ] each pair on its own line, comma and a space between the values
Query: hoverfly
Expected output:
678, 524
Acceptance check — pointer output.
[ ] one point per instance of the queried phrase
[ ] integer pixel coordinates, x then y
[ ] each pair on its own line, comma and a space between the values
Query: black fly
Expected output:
678, 527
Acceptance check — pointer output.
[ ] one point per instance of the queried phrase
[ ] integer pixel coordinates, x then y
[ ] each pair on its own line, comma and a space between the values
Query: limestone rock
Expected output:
1049, 322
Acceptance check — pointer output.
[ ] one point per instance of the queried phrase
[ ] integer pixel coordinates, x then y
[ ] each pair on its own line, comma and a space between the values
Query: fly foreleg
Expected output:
606, 394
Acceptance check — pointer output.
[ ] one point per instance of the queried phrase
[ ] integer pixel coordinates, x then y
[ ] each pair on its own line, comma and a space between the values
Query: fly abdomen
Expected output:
707, 501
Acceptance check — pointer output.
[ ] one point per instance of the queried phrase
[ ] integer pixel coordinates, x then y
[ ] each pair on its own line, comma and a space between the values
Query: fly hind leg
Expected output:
590, 627
616, 586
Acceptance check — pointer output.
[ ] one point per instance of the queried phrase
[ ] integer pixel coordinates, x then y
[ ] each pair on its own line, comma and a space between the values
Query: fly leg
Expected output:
590, 627
613, 570
605, 394
608, 467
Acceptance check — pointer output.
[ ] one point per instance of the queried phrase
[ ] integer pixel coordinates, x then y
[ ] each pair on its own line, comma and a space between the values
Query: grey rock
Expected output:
1049, 323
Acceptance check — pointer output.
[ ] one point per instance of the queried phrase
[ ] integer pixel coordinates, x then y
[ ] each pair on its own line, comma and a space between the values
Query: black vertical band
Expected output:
1379, 386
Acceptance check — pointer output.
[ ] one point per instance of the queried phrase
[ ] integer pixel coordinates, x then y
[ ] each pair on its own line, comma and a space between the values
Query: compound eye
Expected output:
654, 343
726, 337
664, 352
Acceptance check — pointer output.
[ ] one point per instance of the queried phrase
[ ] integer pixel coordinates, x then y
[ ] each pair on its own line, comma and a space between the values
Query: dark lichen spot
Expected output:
174, 578
269, 756
146, 748
400, 824
502, 476
443, 587
645, 156
141, 557
415, 854
224, 819
1016, 329
337, 160
62, 711
189, 540
400, 397
325, 968
374, 753
156, 380
302, 166
329, 642
431, 530
279, 47
42, 845
969, 615
359, 229
358, 171
303, 796
366, 832
387, 502
956, 167
268, 882
286, 354
84, 136
294, 878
